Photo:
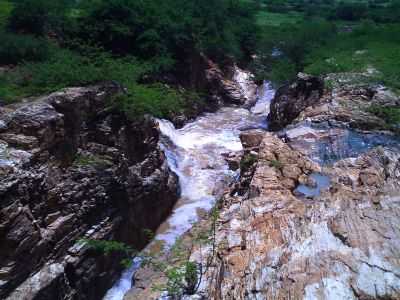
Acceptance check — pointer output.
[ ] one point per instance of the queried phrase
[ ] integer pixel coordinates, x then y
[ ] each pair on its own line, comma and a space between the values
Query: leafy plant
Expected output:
37, 16
17, 48
276, 164
247, 161
391, 115
92, 160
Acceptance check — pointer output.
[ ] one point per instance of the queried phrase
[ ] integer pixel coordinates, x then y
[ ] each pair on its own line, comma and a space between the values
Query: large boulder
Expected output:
290, 100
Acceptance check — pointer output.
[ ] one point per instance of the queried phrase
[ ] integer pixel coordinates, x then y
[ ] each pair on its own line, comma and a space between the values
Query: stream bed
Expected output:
196, 153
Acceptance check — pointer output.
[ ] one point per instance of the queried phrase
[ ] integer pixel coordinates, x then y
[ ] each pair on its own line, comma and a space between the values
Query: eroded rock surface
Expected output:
71, 168
342, 244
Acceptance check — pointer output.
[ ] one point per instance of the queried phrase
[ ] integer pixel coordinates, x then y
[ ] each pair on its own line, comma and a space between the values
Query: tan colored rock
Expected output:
339, 245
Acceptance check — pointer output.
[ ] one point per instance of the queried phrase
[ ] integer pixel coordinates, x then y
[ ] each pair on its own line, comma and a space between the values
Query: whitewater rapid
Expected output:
196, 153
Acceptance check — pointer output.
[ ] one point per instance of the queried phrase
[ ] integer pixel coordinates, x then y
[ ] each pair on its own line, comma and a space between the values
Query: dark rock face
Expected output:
69, 169
290, 100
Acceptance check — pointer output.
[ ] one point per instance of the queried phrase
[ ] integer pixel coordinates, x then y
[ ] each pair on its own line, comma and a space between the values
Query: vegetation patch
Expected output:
391, 115
247, 162
276, 164
92, 160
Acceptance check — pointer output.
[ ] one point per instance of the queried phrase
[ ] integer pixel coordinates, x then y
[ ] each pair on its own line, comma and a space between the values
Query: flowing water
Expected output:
196, 153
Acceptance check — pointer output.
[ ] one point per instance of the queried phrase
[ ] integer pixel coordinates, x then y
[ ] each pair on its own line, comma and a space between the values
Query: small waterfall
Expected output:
196, 153
265, 94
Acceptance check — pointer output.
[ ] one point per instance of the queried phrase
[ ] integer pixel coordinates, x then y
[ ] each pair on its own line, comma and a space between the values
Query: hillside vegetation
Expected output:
50, 44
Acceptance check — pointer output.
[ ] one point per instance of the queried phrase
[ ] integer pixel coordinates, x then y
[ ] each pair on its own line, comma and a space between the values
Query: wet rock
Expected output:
252, 138
70, 169
235, 88
290, 100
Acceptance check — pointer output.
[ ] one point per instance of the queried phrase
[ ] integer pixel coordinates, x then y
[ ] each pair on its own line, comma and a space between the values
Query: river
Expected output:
196, 153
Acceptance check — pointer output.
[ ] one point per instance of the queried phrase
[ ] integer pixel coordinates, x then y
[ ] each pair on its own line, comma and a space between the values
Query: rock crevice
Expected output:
70, 168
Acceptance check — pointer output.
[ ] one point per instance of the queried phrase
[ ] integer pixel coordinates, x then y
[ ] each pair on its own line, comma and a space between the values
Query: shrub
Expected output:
157, 100
391, 115
247, 162
37, 16
276, 164
17, 48
5, 12
65, 68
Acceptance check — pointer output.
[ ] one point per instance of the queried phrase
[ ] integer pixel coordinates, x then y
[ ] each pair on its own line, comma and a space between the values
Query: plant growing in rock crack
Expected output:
276, 164
109, 247
185, 276
247, 161
182, 275
91, 160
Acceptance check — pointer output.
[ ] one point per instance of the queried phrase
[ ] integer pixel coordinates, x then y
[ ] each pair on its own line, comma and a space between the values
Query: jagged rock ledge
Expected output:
70, 168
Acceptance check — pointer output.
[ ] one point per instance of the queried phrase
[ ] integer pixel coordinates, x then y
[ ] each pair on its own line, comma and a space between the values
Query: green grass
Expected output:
265, 18
371, 46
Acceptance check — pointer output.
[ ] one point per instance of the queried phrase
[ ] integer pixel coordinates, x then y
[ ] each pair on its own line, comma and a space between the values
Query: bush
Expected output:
17, 48
351, 11
156, 100
391, 115
65, 69
37, 16
5, 12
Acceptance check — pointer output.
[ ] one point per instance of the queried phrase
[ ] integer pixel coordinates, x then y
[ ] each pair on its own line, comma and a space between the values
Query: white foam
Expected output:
194, 153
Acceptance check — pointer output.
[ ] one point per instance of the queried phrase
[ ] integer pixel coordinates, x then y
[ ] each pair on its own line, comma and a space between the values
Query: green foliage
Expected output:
247, 162
5, 12
351, 11
107, 247
276, 164
282, 50
180, 279
391, 115
367, 46
17, 48
173, 29
37, 16
157, 99
65, 68
86, 160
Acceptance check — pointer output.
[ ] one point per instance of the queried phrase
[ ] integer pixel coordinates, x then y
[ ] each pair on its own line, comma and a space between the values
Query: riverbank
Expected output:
273, 238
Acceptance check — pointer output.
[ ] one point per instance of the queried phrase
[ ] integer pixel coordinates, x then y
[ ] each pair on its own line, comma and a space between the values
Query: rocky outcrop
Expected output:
315, 212
277, 241
290, 100
341, 244
345, 103
71, 168
229, 85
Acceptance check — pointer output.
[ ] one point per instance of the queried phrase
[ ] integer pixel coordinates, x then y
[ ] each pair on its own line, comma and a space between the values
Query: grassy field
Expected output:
369, 48
265, 18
